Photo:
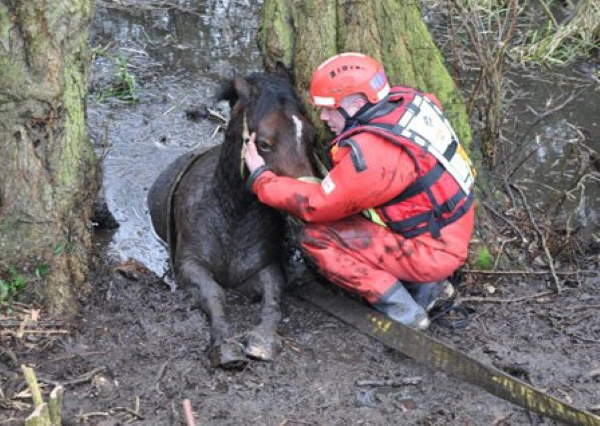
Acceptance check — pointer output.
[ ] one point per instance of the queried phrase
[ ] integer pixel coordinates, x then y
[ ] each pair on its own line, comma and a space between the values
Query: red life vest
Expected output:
443, 191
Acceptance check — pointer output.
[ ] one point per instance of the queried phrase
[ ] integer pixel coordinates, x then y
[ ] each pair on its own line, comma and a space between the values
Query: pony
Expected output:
219, 236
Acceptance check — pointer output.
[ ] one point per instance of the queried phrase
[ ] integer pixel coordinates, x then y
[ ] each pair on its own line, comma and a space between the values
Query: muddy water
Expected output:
178, 54
556, 155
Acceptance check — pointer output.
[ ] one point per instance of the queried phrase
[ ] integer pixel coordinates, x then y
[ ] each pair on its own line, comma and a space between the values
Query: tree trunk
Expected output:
48, 172
303, 33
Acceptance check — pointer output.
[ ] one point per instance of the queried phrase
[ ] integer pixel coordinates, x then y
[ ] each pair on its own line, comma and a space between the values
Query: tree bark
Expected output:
48, 172
303, 33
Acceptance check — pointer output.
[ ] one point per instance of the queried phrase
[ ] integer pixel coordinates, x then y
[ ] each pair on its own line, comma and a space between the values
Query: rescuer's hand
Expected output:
251, 156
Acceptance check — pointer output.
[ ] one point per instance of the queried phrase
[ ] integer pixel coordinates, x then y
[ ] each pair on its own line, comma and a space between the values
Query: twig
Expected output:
76, 354
176, 105
549, 13
391, 383
129, 411
216, 114
498, 300
540, 117
541, 235
501, 250
568, 194
214, 133
85, 416
188, 413
524, 160
159, 376
286, 421
25, 331
290, 345
17, 323
522, 272
585, 339
508, 221
81, 379
502, 420
506, 185
581, 307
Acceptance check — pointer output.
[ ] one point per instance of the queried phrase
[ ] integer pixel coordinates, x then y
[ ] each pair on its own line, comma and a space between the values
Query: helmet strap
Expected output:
354, 120
345, 114
361, 111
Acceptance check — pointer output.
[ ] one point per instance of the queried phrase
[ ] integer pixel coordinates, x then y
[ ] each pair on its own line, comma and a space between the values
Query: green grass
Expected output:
11, 286
124, 85
42, 270
483, 259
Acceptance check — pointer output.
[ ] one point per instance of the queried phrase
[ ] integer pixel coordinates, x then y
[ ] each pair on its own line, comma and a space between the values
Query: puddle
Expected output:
562, 177
178, 54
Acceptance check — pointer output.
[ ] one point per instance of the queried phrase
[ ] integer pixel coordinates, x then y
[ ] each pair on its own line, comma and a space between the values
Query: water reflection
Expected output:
178, 52
562, 181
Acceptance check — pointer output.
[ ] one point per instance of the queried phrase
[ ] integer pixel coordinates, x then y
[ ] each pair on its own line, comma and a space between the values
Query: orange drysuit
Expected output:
353, 251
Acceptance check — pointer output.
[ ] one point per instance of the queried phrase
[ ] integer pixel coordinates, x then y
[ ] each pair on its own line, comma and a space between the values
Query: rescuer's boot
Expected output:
431, 295
398, 304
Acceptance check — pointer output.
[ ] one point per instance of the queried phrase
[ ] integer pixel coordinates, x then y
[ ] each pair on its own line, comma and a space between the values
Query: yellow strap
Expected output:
309, 179
374, 217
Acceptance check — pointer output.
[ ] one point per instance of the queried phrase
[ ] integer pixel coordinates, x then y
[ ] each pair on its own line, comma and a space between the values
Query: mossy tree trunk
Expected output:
48, 170
303, 33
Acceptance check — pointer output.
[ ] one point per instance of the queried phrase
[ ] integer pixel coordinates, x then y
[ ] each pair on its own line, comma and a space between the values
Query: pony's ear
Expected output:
242, 87
283, 71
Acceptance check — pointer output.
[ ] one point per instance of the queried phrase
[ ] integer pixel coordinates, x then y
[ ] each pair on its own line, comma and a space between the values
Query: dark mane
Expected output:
275, 90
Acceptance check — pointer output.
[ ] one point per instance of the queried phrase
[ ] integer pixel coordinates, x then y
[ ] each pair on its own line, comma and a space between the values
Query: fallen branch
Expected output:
549, 257
460, 300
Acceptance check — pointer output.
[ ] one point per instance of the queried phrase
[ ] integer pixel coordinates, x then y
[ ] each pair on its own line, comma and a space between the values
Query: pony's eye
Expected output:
263, 145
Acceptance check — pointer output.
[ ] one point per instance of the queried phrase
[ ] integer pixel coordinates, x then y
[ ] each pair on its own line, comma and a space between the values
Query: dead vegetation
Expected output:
558, 43
527, 224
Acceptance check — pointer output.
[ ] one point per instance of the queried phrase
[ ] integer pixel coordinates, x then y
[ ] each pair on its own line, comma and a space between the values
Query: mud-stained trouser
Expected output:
369, 259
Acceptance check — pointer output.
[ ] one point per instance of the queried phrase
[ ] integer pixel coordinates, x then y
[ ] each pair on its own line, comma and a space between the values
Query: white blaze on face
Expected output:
298, 124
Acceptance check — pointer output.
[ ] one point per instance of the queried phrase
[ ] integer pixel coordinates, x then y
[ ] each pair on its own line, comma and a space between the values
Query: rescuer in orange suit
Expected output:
393, 217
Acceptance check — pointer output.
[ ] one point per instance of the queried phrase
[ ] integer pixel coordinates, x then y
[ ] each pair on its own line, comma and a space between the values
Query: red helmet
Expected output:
346, 74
